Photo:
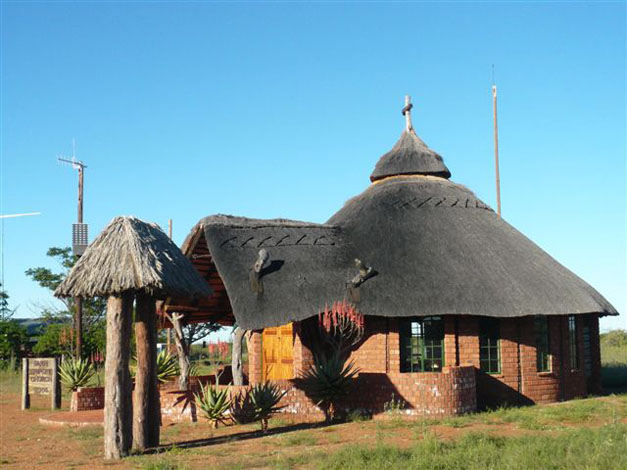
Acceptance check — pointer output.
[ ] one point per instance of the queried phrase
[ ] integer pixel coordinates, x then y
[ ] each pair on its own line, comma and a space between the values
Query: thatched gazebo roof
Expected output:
434, 247
131, 255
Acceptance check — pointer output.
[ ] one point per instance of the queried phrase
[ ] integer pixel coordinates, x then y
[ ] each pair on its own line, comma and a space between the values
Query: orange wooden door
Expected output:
277, 346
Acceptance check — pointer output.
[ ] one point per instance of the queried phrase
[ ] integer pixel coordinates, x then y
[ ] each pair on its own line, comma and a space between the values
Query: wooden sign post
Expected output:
40, 375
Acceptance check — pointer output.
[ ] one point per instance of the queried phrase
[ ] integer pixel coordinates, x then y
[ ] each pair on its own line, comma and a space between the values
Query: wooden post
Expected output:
181, 350
236, 356
147, 410
25, 394
118, 412
55, 392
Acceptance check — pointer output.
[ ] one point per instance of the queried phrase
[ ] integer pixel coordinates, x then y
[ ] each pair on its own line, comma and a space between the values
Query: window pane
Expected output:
489, 356
422, 344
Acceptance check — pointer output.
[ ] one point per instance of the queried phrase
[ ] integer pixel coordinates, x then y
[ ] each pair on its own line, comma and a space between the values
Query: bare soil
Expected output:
25, 443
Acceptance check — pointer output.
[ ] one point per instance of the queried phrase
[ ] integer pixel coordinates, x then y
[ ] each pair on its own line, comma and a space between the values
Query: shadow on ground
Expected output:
241, 436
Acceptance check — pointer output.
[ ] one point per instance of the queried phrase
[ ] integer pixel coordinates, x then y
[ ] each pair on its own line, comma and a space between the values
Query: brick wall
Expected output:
87, 398
519, 382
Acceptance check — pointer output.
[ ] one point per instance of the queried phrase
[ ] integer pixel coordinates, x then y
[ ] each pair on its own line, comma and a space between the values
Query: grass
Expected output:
602, 448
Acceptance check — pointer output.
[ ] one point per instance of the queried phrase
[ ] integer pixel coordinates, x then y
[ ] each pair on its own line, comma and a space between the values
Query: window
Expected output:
572, 342
587, 345
489, 354
543, 356
422, 344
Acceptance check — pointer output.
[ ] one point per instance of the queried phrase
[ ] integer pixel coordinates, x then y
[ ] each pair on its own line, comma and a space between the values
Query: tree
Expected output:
13, 337
93, 309
194, 332
5, 312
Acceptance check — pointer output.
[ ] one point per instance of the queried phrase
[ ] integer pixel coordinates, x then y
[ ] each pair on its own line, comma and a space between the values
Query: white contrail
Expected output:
8, 216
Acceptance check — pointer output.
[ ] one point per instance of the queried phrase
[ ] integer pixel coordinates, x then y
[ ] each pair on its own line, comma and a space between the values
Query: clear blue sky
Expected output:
181, 110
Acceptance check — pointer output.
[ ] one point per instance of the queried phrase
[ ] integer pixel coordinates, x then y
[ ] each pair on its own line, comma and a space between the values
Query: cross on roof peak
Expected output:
407, 113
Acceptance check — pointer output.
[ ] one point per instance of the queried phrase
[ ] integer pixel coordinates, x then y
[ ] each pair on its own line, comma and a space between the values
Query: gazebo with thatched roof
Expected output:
132, 259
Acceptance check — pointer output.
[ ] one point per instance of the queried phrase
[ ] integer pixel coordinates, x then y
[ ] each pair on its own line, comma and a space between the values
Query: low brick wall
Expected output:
87, 398
446, 393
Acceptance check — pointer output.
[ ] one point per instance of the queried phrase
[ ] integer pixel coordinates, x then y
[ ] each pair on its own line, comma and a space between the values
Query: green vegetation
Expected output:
13, 337
614, 360
213, 403
602, 448
76, 373
265, 398
328, 380
57, 337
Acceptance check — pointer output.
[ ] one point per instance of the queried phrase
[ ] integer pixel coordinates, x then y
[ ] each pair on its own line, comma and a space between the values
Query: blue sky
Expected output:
181, 110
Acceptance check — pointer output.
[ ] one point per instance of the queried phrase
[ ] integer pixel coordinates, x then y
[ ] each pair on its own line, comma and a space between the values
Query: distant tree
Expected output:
93, 309
5, 311
13, 338
194, 332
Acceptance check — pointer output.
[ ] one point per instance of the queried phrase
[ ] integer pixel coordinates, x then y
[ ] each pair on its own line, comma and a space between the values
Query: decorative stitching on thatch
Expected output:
285, 241
460, 203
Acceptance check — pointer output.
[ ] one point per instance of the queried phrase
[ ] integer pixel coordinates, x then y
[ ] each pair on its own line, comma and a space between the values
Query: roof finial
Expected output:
407, 113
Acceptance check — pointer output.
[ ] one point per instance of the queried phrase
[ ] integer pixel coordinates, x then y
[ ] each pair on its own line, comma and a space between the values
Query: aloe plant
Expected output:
76, 373
213, 403
264, 399
328, 380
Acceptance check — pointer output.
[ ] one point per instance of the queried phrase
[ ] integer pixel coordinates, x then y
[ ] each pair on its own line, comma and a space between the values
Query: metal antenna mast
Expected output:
496, 147
79, 242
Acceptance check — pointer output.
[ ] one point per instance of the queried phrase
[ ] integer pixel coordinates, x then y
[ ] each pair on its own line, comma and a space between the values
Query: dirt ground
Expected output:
25, 443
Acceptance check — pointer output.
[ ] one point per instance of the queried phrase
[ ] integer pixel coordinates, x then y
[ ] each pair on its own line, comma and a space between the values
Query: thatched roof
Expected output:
435, 247
410, 156
136, 256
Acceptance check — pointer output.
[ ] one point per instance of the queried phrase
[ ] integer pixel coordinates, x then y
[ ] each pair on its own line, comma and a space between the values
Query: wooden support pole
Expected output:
236, 356
25, 394
147, 410
181, 349
118, 411
55, 392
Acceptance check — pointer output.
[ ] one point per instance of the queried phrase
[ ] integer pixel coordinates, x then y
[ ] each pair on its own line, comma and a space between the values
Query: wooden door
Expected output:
277, 346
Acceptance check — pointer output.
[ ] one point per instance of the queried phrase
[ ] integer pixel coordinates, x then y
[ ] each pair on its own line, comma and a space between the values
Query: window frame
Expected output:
490, 331
573, 343
543, 343
416, 349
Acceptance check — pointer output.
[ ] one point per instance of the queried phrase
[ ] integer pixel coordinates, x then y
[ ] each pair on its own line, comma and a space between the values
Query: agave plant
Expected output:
264, 399
167, 366
214, 403
75, 373
327, 380
242, 409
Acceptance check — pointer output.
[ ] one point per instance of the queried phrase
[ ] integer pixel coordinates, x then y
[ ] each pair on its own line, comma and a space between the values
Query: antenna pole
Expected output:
78, 318
169, 330
496, 152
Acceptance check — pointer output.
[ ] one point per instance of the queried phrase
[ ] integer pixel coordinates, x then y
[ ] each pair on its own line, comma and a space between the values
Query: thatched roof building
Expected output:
131, 255
433, 247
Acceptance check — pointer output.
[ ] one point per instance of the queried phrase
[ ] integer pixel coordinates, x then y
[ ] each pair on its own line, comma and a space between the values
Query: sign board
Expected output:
40, 375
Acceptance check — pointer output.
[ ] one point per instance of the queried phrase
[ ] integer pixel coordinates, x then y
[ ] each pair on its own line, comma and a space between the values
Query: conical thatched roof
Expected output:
435, 247
136, 256
410, 156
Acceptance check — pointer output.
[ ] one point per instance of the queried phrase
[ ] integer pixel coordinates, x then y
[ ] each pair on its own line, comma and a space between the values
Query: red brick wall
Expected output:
519, 382
87, 398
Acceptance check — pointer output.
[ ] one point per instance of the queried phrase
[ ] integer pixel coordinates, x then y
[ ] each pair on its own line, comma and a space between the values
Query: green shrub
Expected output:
265, 398
76, 373
328, 380
213, 403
